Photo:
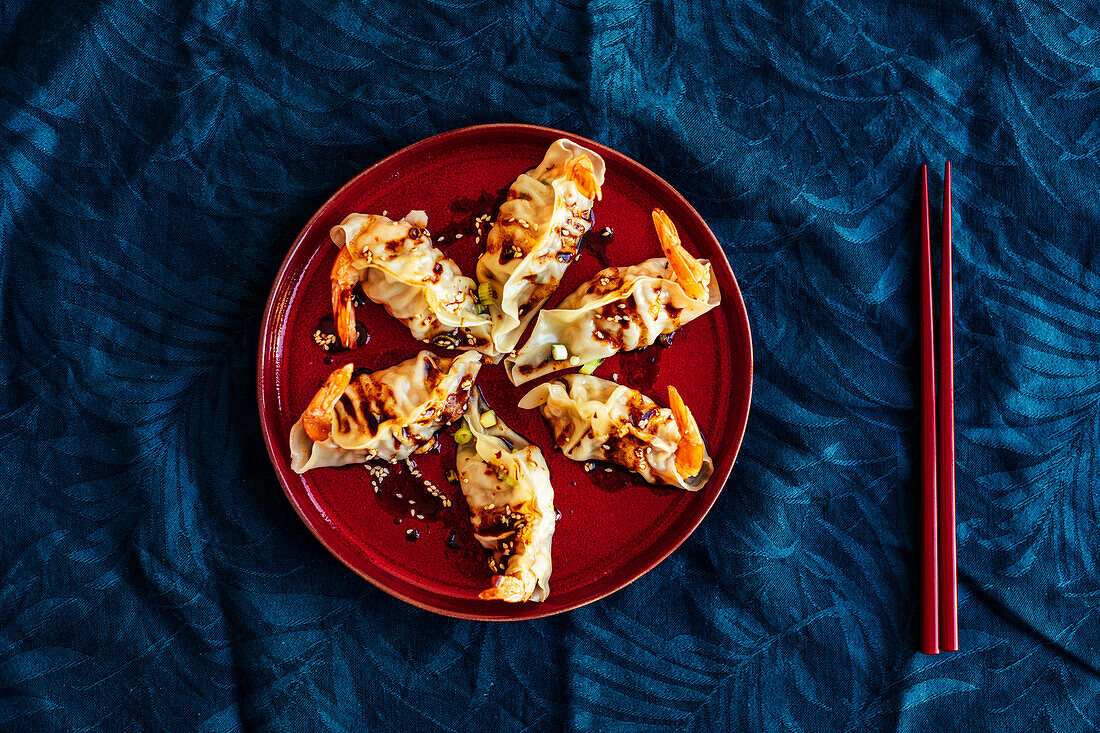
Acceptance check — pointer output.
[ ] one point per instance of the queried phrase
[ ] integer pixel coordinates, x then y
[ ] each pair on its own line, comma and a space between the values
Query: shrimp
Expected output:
579, 170
690, 272
346, 274
511, 588
689, 452
317, 419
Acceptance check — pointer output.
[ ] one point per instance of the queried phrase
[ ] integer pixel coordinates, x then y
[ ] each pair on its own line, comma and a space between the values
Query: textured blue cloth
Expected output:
157, 161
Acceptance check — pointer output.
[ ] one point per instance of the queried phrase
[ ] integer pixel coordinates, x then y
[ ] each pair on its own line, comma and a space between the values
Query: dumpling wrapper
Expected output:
534, 238
514, 517
403, 271
596, 419
619, 309
391, 413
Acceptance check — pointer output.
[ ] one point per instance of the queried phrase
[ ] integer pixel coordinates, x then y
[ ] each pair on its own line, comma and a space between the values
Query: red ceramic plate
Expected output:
613, 527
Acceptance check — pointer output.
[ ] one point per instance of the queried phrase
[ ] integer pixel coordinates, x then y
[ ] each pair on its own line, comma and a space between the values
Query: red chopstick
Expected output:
949, 608
929, 605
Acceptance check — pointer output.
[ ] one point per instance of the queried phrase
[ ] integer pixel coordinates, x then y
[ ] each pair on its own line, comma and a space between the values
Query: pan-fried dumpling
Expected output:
619, 309
535, 236
507, 485
401, 270
595, 419
389, 414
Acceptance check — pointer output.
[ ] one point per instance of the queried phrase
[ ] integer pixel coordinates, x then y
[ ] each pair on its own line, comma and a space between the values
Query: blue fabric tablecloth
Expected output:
159, 158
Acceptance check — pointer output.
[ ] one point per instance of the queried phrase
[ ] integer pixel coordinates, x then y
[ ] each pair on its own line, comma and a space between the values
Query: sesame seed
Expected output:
324, 340
458, 236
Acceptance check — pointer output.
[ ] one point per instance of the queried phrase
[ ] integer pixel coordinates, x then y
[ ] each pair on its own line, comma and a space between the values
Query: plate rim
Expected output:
269, 327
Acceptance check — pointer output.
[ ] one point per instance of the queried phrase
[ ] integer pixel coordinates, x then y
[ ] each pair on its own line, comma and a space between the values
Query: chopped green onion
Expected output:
574, 360
558, 352
446, 341
505, 476
485, 293
463, 436
591, 366
488, 419
482, 310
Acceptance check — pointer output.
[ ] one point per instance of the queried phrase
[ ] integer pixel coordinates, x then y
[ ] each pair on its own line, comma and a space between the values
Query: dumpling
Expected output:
389, 414
507, 485
595, 419
535, 236
619, 309
401, 270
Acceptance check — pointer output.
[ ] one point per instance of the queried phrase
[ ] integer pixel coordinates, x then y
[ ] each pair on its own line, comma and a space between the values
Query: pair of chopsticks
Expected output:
939, 620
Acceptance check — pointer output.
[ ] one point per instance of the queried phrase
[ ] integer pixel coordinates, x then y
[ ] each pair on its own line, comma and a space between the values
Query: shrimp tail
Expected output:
317, 419
579, 170
344, 280
689, 451
511, 588
690, 272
